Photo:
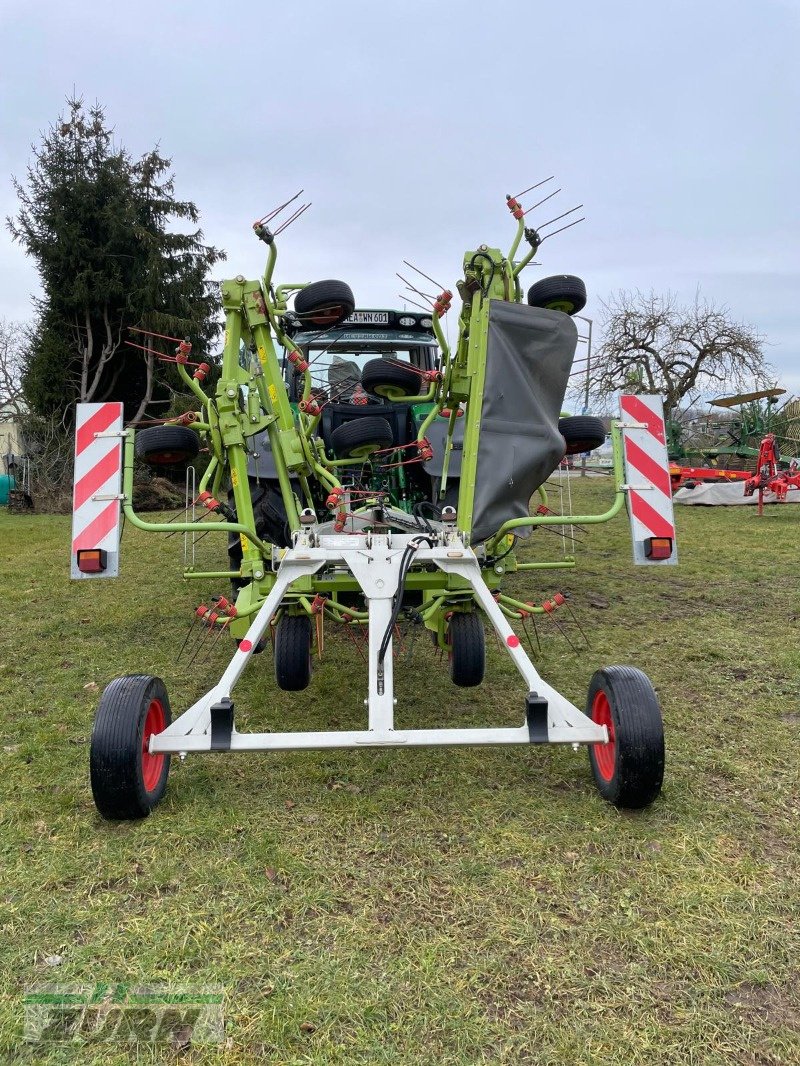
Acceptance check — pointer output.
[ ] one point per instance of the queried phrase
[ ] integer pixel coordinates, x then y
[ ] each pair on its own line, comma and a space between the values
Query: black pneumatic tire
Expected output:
361, 436
166, 445
629, 770
582, 433
385, 378
128, 782
324, 303
562, 292
467, 640
293, 652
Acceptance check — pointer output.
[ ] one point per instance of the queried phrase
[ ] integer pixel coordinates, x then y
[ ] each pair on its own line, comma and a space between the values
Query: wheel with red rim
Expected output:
629, 769
127, 780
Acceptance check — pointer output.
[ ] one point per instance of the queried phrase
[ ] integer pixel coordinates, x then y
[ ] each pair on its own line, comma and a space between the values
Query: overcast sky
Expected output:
675, 123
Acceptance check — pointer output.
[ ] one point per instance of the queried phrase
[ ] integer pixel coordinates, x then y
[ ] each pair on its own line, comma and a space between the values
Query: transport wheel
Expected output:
385, 378
361, 436
562, 292
293, 652
629, 770
467, 641
127, 781
324, 303
166, 445
583, 433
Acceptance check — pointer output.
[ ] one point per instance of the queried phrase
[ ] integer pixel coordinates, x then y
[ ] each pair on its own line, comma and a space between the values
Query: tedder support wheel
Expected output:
467, 640
361, 436
629, 769
293, 652
127, 781
385, 378
583, 433
324, 303
562, 292
167, 445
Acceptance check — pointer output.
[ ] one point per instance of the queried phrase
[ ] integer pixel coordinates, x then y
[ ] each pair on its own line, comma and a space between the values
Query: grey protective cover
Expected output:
528, 360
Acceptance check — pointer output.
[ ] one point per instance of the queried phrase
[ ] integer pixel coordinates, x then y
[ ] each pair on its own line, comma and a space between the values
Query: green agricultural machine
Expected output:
363, 473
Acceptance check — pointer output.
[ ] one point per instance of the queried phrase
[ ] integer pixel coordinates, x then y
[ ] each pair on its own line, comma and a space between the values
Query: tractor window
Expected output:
336, 368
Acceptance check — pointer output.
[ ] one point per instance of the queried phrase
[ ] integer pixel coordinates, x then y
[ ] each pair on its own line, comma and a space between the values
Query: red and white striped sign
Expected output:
647, 474
97, 484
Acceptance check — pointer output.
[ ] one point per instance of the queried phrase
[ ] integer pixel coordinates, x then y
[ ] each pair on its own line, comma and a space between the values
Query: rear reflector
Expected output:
658, 547
91, 560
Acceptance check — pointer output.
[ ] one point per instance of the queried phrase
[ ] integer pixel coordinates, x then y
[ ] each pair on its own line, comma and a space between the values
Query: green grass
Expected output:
468, 906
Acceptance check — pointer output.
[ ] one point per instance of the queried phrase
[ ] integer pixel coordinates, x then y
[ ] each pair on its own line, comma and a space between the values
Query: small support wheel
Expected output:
293, 652
127, 781
384, 378
166, 445
562, 292
324, 303
467, 641
629, 769
358, 438
582, 433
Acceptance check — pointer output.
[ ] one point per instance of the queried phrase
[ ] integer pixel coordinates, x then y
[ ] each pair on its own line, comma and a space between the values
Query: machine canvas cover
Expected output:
529, 357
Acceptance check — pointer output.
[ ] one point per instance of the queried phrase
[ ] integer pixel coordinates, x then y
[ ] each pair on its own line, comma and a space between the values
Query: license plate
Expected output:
370, 318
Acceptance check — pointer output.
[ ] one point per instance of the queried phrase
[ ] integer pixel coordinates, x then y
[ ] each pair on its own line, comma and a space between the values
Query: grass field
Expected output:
431, 907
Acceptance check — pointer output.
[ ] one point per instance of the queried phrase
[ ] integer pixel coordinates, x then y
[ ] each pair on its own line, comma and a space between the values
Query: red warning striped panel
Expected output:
97, 484
647, 474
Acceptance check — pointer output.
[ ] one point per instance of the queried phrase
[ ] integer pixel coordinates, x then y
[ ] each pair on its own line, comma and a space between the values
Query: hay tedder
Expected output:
388, 486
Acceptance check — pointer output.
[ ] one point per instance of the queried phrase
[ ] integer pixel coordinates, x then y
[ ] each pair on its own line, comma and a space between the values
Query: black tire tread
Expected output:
558, 288
116, 741
371, 429
382, 372
156, 440
639, 729
467, 640
293, 652
319, 295
582, 433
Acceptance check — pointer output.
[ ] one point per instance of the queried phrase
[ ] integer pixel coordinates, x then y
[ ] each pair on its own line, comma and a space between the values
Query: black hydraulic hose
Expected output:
397, 601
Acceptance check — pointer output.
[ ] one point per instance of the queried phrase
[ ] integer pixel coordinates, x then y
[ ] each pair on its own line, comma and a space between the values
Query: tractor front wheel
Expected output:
127, 780
629, 769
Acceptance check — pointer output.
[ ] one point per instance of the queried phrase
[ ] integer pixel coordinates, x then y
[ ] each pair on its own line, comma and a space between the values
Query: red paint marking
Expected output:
245, 646
640, 412
95, 478
648, 516
98, 423
97, 528
512, 641
651, 470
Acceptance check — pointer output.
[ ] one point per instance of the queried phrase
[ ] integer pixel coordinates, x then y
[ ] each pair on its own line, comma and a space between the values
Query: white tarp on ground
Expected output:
725, 494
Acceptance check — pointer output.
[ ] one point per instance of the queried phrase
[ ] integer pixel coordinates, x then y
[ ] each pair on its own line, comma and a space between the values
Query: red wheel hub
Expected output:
152, 765
605, 755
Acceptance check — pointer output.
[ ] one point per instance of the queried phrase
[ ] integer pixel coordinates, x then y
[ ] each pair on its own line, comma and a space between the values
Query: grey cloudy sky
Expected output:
676, 124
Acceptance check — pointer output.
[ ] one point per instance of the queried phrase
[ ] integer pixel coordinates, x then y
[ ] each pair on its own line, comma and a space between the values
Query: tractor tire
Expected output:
629, 770
562, 292
324, 303
361, 436
293, 652
272, 524
166, 445
583, 433
384, 378
467, 641
127, 781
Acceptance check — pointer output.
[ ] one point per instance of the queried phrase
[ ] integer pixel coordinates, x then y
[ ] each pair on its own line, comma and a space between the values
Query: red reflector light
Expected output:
658, 547
91, 560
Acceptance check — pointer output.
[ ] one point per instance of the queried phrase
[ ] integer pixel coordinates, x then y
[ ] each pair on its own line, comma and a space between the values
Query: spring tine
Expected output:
562, 631
200, 643
215, 641
527, 635
577, 623
544, 201
291, 219
414, 302
568, 226
186, 638
271, 214
536, 633
532, 187
571, 211
441, 288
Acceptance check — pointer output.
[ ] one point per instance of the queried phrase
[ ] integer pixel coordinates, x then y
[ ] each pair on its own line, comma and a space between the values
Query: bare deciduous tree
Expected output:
653, 344
12, 336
